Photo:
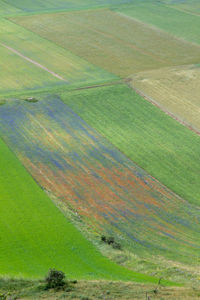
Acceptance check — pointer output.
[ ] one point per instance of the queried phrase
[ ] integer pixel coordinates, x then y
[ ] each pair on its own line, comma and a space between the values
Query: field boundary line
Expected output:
160, 30
157, 104
32, 61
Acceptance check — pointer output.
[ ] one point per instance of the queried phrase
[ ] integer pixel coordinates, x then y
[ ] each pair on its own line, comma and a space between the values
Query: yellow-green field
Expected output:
103, 38
45, 53
175, 89
6, 9
17, 73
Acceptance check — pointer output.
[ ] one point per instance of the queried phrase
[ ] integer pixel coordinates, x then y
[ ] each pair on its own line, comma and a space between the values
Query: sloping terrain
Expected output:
153, 140
175, 89
92, 178
118, 44
35, 236
50, 5
6, 9
40, 63
176, 22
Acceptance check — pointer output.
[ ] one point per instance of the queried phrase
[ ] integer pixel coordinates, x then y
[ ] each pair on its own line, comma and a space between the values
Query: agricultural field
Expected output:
188, 6
164, 17
35, 235
6, 9
156, 142
175, 89
110, 193
99, 138
49, 5
103, 38
29, 76
51, 64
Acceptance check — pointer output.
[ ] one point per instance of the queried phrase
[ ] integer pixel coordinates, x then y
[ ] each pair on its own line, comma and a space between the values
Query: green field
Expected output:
71, 68
176, 89
173, 21
83, 154
6, 9
103, 38
28, 76
50, 5
164, 148
35, 236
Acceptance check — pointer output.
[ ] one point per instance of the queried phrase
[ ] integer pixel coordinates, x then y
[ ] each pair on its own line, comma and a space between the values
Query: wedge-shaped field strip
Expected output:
175, 21
112, 41
175, 89
108, 191
49, 5
59, 63
35, 235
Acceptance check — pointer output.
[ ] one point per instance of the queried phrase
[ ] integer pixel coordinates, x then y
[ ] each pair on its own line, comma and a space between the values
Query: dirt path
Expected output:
32, 61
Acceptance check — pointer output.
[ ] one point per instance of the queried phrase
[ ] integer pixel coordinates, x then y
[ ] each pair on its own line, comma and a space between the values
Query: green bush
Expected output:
55, 279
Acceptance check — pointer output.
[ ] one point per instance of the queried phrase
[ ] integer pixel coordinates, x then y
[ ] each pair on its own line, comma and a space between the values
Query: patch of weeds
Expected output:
111, 241
31, 100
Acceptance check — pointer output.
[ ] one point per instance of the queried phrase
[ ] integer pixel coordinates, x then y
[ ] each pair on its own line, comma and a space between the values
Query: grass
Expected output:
103, 38
28, 77
70, 67
157, 143
7, 9
93, 290
192, 6
176, 22
36, 236
105, 190
175, 89
49, 5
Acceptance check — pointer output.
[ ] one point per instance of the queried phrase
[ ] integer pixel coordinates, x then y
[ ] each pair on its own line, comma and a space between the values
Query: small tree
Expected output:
55, 279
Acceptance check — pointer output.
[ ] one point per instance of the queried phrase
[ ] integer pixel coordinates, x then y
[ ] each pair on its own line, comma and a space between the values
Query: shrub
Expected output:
116, 245
55, 279
103, 238
110, 240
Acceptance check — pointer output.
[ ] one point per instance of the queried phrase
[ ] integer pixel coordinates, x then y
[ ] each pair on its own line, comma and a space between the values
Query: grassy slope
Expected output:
6, 9
175, 88
178, 23
47, 5
111, 46
160, 145
19, 74
72, 68
89, 290
35, 235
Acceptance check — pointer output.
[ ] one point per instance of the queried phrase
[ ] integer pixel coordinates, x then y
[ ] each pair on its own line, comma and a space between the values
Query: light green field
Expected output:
103, 38
56, 59
189, 6
17, 73
163, 147
50, 5
6, 9
176, 89
35, 236
173, 21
